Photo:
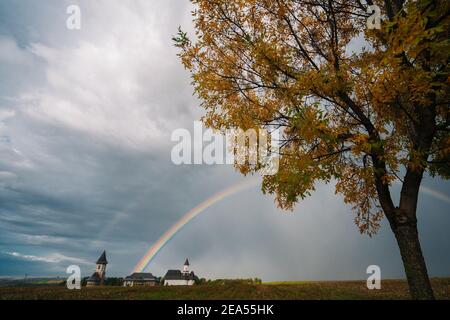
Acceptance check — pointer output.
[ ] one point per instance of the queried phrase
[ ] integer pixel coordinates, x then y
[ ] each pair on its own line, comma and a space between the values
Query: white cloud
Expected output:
51, 258
10, 53
6, 174
5, 114
118, 82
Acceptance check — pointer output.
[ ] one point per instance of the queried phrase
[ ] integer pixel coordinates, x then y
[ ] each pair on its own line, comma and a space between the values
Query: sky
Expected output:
86, 118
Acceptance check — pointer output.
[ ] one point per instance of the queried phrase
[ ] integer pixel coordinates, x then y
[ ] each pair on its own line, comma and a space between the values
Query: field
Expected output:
391, 289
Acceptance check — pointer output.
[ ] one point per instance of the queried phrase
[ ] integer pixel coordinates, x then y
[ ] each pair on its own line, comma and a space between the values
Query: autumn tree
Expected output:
364, 108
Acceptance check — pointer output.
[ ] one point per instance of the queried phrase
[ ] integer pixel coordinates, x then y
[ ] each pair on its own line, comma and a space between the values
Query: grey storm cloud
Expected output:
85, 124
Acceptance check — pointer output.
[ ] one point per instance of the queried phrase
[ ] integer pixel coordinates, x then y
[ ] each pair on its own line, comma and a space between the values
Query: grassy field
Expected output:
391, 289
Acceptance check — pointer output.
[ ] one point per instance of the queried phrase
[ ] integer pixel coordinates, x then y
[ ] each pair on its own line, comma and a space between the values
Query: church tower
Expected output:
101, 266
98, 277
186, 267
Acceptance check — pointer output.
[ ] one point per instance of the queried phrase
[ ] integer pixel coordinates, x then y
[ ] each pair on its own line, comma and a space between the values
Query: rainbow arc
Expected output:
188, 217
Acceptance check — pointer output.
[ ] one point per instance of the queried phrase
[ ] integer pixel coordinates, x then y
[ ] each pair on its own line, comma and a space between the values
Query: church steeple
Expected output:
101, 267
102, 259
186, 267
98, 277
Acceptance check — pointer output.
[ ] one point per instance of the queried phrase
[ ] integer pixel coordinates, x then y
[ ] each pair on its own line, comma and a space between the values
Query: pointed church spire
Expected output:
186, 263
102, 259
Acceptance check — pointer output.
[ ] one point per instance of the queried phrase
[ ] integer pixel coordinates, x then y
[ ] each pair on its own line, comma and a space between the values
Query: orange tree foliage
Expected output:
355, 105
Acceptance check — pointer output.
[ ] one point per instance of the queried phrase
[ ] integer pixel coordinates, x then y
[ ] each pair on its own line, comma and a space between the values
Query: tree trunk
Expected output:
406, 233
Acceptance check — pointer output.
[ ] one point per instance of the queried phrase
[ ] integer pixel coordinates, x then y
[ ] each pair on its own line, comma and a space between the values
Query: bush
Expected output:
113, 282
235, 281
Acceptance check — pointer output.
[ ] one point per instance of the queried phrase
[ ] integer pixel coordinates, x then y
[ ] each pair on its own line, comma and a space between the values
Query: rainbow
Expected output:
436, 194
191, 214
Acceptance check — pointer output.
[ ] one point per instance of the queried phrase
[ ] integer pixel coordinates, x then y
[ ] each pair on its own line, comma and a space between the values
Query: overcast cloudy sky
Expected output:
85, 124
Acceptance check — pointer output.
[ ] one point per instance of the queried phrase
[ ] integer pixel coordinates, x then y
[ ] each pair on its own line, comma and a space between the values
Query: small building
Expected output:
180, 278
98, 277
140, 279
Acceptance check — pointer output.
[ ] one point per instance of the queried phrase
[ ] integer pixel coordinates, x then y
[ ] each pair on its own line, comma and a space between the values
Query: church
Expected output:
180, 278
98, 277
140, 279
